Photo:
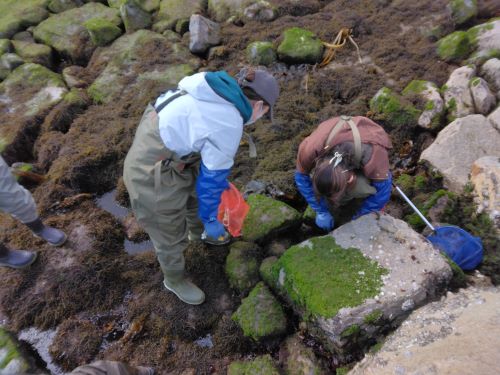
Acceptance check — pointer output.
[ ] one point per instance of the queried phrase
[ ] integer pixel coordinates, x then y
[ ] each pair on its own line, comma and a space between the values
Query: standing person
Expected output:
177, 167
343, 159
18, 202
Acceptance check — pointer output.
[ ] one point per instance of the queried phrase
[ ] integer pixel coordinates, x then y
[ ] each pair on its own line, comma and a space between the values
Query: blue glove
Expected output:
378, 200
324, 220
209, 187
215, 229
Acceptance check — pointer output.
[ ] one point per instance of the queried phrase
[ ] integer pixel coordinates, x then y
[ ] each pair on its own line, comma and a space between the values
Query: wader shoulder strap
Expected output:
355, 135
170, 99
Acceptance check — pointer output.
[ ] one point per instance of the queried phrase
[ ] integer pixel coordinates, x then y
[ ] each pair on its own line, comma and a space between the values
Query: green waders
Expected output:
162, 194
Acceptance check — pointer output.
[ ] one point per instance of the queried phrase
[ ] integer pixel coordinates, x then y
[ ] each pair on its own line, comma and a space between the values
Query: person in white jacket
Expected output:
177, 167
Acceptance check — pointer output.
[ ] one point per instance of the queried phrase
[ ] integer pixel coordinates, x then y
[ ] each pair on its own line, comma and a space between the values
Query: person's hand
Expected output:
324, 220
215, 233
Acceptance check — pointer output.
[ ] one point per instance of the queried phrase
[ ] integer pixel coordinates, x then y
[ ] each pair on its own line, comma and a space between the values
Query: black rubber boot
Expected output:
53, 236
16, 258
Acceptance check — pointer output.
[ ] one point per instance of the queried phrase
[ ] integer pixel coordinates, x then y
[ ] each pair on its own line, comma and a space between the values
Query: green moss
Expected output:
321, 277
12, 352
375, 348
463, 10
265, 270
309, 215
454, 47
16, 15
342, 370
415, 87
394, 109
260, 315
373, 317
424, 204
458, 280
4, 46
102, 31
451, 108
241, 266
300, 46
420, 182
405, 182
262, 365
261, 53
351, 331
475, 81
429, 106
480, 57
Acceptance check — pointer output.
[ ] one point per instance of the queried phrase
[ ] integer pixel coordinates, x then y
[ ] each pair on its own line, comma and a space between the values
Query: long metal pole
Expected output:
417, 211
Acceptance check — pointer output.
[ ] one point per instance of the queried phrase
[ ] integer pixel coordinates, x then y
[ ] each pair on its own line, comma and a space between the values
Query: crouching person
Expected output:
344, 159
177, 167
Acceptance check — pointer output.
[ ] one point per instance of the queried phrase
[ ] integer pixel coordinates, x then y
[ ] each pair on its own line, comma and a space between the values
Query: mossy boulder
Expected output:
260, 315
134, 17
102, 31
463, 10
300, 359
66, 33
174, 11
223, 10
454, 47
16, 15
11, 61
5, 46
300, 46
485, 41
33, 52
11, 358
430, 103
59, 6
395, 110
147, 5
262, 365
242, 269
261, 53
267, 216
265, 269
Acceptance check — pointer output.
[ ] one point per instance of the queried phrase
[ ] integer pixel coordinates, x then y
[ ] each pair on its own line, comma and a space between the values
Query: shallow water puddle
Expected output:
108, 203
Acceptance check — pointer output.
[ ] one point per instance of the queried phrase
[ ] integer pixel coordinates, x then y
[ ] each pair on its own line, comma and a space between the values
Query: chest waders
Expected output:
162, 194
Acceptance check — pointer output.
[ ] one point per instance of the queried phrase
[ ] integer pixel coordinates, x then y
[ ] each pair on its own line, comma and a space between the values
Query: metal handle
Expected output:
417, 211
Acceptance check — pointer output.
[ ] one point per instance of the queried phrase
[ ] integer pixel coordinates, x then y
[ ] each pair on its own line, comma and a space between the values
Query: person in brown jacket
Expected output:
343, 159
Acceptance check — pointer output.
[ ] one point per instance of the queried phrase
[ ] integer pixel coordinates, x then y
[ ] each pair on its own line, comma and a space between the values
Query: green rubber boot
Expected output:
176, 282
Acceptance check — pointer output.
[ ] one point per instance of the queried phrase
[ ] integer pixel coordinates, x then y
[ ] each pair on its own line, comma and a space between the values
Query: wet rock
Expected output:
484, 100
66, 33
433, 107
261, 53
485, 176
300, 46
485, 40
494, 118
463, 10
102, 31
33, 52
490, 71
394, 109
134, 17
17, 15
298, 359
260, 315
173, 11
11, 61
454, 47
260, 11
457, 95
72, 76
260, 365
5, 46
365, 276
458, 145
267, 216
125, 55
12, 360
443, 338
203, 34
59, 6
241, 268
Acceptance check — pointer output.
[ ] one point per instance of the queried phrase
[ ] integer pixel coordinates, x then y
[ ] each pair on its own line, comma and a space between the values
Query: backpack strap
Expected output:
355, 135
170, 99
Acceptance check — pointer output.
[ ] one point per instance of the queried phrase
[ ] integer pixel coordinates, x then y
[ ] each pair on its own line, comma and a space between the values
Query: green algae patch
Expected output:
261, 53
454, 47
267, 215
320, 277
9, 352
262, 365
300, 46
241, 267
260, 315
394, 109
102, 31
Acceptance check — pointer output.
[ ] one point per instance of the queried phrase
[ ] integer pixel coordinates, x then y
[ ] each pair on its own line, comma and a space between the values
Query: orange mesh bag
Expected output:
232, 210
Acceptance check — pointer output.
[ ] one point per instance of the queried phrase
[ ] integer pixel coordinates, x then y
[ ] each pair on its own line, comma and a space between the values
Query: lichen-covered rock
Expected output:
299, 359
494, 118
458, 145
394, 109
367, 274
102, 31
241, 268
454, 47
300, 46
260, 315
33, 52
485, 41
17, 15
222, 10
134, 17
11, 61
484, 100
173, 11
5, 46
59, 6
490, 71
485, 176
260, 11
456, 92
443, 338
262, 365
463, 10
267, 216
125, 55
433, 104
11, 357
203, 34
261, 53
66, 33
